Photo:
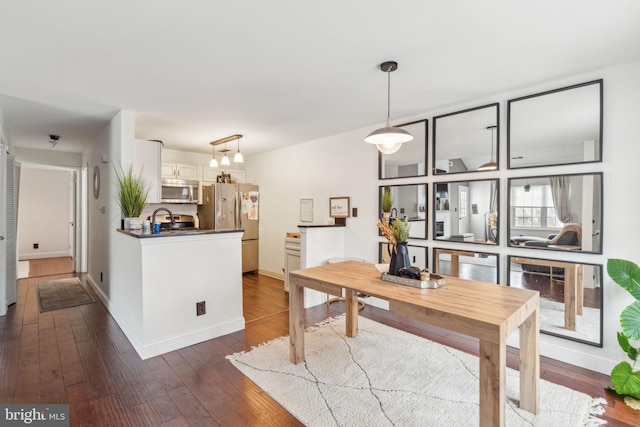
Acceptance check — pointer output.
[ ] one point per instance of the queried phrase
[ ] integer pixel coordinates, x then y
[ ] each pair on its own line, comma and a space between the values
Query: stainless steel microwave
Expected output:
179, 191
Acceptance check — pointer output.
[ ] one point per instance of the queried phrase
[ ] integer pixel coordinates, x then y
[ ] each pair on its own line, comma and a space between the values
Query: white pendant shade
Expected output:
225, 160
492, 165
238, 158
213, 163
388, 148
388, 139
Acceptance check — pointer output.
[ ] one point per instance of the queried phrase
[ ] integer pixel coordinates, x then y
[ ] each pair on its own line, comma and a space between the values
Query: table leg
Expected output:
530, 363
493, 362
352, 313
570, 290
455, 265
296, 323
580, 288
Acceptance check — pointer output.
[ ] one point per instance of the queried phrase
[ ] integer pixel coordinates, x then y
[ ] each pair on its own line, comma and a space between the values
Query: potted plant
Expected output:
625, 380
387, 204
397, 235
131, 195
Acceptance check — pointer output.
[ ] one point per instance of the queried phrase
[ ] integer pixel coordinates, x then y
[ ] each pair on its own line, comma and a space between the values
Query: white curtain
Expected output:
560, 195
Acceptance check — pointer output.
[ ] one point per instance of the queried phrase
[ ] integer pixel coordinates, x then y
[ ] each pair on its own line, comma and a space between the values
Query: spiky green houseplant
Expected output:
131, 193
625, 380
400, 230
387, 200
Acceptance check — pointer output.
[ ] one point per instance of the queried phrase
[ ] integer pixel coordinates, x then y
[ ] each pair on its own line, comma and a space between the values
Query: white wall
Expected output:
344, 165
44, 213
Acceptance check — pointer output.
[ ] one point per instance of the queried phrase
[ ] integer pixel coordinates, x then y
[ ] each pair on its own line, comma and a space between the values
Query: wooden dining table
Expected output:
485, 311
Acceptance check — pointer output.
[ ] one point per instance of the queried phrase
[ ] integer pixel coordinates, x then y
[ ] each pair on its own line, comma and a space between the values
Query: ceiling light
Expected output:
238, 157
492, 165
225, 160
388, 139
53, 140
213, 163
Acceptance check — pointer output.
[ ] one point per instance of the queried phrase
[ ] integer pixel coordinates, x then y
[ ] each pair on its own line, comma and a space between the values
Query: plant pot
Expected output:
132, 224
399, 258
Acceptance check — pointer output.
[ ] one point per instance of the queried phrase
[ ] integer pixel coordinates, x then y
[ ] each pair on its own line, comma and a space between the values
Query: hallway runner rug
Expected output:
387, 377
62, 293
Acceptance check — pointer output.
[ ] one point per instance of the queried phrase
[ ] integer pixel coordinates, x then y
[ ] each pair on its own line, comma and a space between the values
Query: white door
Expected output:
463, 209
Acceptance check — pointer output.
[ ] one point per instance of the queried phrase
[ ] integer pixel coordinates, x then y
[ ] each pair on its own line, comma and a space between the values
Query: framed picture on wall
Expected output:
339, 207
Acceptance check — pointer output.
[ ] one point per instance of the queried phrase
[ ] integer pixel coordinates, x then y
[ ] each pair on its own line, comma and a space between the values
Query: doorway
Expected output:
47, 213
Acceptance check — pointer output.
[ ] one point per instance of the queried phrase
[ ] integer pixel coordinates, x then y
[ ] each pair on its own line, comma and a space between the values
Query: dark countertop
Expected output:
140, 235
320, 225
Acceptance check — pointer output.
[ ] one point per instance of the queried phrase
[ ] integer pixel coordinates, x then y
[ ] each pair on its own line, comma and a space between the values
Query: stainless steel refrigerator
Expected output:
249, 208
231, 206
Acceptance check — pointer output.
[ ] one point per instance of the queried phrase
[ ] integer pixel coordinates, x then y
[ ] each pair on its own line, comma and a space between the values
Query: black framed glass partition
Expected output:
556, 127
464, 264
410, 201
467, 140
466, 211
411, 159
556, 212
571, 295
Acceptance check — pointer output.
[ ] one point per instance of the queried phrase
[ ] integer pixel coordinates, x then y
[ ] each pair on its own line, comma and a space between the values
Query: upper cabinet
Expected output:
210, 174
557, 127
467, 140
179, 171
411, 159
147, 163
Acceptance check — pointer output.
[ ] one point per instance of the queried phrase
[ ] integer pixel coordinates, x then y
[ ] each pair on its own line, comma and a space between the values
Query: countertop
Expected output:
140, 235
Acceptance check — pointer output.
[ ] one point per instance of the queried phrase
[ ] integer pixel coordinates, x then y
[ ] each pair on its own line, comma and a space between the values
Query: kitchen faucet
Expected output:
153, 217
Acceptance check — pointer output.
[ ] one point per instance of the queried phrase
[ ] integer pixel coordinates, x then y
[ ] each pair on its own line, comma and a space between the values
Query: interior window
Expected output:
533, 207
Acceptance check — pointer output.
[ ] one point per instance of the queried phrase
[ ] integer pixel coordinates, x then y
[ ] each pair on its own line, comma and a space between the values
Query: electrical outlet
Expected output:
35, 246
201, 308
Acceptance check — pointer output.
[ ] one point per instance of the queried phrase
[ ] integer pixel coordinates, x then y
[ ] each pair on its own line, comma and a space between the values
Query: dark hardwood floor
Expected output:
80, 356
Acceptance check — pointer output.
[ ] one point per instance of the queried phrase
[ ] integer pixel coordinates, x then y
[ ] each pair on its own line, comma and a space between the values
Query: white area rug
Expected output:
23, 269
387, 377
552, 320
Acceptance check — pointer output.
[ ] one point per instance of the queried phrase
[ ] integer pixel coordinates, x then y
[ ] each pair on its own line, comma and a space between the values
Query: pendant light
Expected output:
213, 163
492, 165
238, 157
388, 139
225, 160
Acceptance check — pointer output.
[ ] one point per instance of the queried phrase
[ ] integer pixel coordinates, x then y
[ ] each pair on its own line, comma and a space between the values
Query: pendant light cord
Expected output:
389, 96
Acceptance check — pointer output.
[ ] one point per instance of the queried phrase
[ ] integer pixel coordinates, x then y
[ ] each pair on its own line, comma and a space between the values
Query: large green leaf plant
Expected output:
625, 380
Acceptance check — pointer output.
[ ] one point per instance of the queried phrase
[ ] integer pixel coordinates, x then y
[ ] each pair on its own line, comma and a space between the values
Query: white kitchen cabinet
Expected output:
146, 162
291, 258
180, 171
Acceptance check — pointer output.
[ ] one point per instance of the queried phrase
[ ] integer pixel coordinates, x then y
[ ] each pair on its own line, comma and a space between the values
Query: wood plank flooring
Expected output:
80, 356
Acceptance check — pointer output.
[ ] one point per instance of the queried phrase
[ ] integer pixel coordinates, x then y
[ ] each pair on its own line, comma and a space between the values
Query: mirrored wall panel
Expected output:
408, 201
467, 141
570, 296
558, 127
469, 265
561, 213
411, 159
466, 211
417, 255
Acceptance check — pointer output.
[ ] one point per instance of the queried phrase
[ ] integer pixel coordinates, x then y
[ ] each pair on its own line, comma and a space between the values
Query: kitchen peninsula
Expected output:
159, 278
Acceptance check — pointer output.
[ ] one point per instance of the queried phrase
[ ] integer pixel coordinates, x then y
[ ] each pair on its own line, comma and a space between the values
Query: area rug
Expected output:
62, 293
387, 377
587, 324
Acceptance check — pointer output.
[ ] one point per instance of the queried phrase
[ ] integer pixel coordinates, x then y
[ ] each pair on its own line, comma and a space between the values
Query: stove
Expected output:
181, 222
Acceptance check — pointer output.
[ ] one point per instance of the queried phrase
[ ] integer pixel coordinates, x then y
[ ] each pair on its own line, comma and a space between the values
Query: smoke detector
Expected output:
53, 140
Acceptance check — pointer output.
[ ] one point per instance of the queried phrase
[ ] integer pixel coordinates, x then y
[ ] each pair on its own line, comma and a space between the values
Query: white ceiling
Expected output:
282, 72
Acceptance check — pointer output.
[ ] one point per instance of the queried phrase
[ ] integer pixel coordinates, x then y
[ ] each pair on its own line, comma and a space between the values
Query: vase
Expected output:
399, 258
132, 223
